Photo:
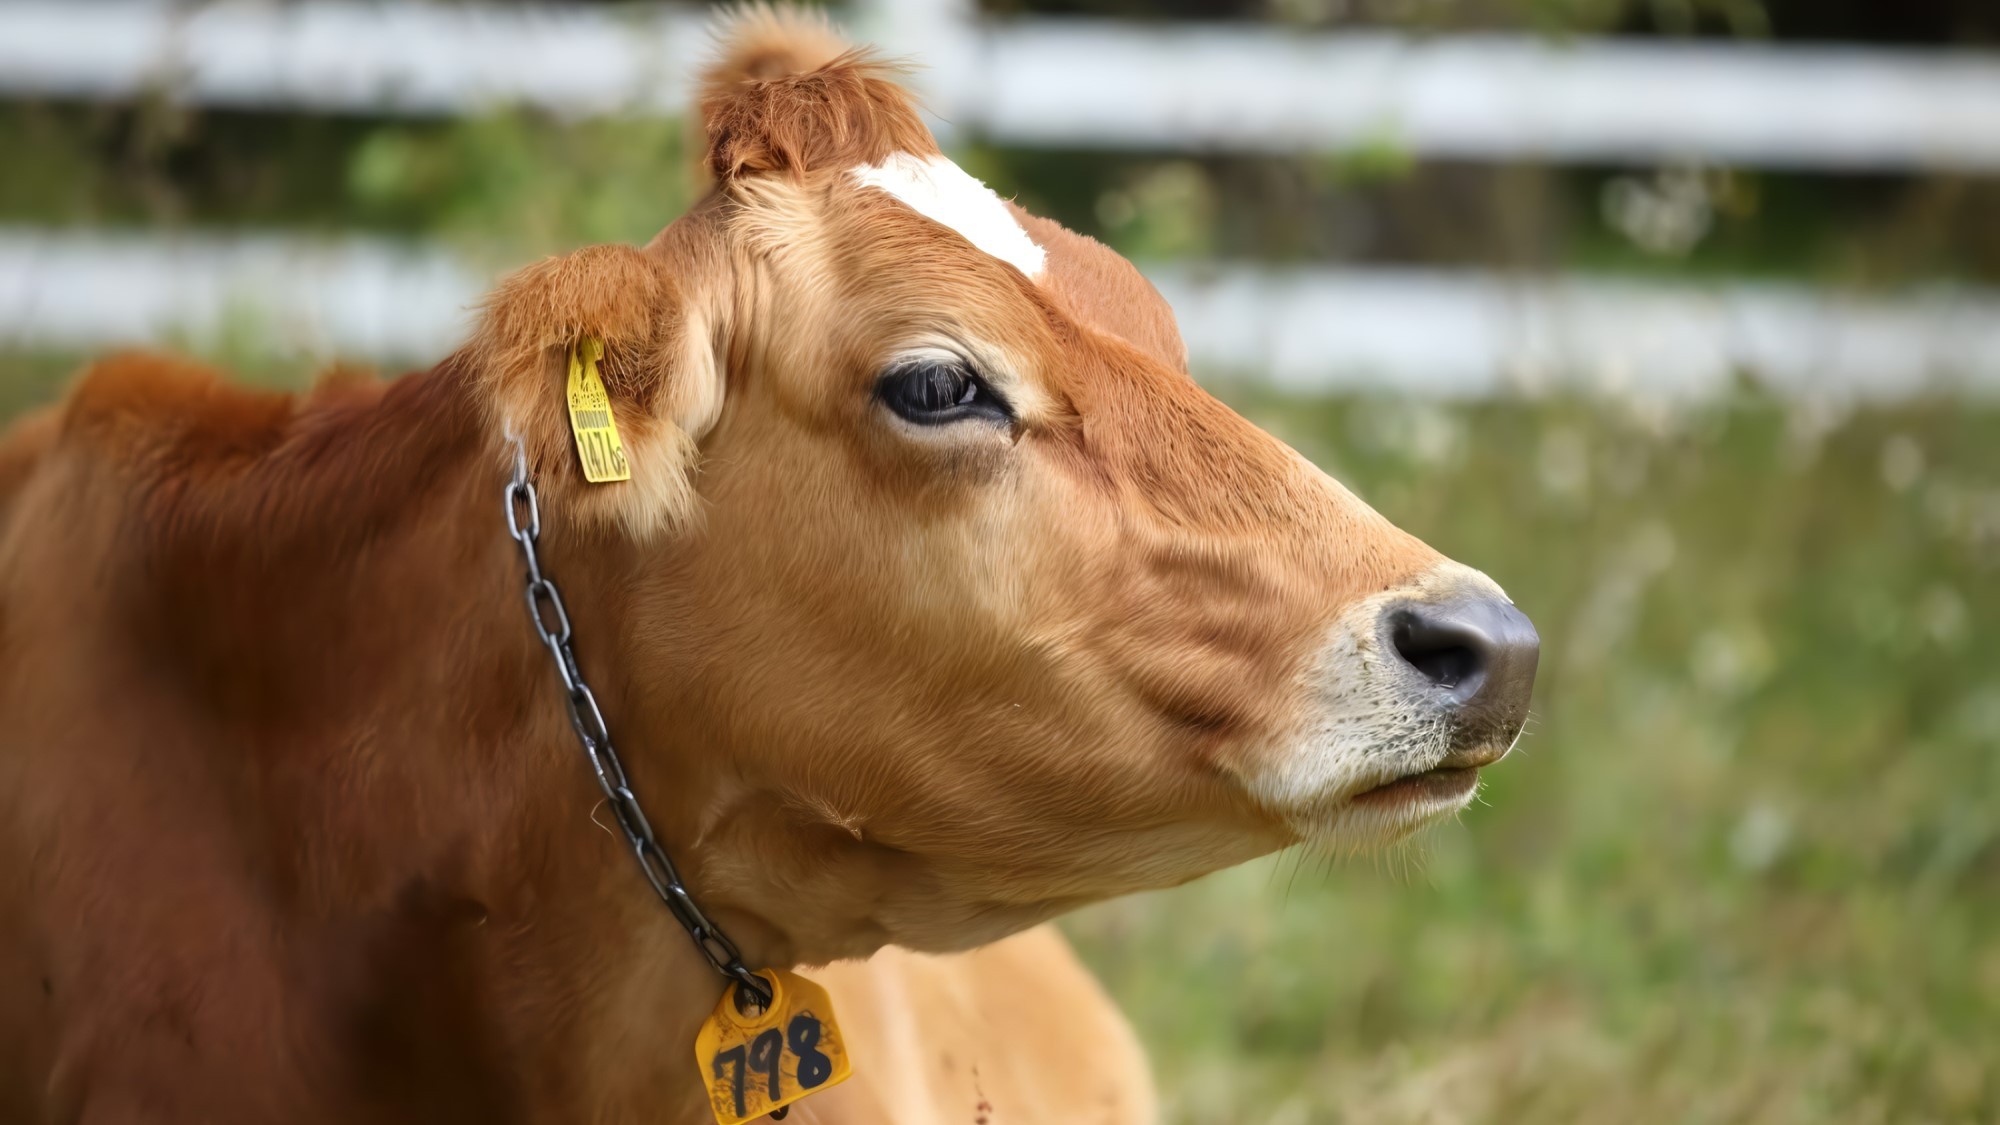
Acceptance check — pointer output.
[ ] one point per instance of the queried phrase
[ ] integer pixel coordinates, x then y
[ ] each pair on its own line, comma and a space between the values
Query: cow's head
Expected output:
948, 600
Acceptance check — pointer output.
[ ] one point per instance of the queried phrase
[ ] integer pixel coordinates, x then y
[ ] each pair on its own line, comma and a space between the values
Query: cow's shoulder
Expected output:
140, 419
135, 403
191, 455
167, 414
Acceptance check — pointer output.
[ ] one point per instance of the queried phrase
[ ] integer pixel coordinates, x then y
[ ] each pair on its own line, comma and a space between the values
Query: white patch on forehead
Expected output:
938, 189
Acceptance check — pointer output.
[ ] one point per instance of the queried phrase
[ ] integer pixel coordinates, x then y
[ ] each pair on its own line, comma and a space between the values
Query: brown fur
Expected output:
1106, 290
783, 99
292, 826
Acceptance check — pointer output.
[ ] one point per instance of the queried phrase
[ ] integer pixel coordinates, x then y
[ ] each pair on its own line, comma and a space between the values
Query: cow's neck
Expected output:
450, 811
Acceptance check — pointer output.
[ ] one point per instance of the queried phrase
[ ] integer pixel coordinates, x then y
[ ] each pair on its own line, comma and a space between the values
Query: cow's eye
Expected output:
932, 392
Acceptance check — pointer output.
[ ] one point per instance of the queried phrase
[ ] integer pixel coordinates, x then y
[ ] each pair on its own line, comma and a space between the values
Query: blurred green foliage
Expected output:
511, 185
520, 182
504, 186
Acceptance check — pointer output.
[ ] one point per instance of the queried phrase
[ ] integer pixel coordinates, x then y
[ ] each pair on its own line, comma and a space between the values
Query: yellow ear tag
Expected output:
759, 1060
590, 419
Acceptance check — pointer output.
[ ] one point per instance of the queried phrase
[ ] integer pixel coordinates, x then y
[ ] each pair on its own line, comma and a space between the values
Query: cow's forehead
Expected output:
942, 191
1100, 287
1094, 282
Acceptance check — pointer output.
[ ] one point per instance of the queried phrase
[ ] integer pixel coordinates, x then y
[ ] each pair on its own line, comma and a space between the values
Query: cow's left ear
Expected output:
658, 366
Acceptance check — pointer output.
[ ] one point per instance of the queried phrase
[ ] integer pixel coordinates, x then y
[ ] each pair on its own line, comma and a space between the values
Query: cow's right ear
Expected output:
658, 366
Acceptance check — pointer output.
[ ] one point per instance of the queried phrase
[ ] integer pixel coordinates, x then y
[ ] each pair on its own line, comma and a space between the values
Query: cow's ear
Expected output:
657, 364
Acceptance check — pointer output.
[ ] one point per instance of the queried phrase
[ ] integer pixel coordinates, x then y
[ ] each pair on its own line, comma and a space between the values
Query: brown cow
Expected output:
940, 601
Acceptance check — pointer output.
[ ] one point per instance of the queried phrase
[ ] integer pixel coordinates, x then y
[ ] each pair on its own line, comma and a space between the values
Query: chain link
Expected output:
551, 620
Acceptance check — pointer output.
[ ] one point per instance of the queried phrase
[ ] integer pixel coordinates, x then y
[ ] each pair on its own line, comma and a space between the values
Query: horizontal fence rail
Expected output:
395, 58
1209, 87
1309, 330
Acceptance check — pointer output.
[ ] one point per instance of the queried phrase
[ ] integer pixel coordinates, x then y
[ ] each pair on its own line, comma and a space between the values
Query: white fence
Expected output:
1216, 87
1428, 332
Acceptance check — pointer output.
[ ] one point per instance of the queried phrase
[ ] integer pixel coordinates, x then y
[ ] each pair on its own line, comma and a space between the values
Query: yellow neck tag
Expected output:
756, 1063
590, 418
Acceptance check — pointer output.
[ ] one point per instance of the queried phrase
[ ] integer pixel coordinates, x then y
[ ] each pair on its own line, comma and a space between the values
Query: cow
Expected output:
937, 600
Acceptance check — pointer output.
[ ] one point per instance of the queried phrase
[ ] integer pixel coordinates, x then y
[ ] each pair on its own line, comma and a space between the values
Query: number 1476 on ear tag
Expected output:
756, 1061
591, 418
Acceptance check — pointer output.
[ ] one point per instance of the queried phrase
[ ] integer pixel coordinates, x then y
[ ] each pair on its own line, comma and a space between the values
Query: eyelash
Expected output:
934, 392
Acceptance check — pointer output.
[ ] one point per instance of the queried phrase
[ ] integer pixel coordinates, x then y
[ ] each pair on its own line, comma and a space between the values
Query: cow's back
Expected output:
41, 527
99, 780
169, 547
23, 995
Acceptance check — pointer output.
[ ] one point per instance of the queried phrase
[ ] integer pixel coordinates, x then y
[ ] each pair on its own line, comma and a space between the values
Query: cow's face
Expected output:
960, 601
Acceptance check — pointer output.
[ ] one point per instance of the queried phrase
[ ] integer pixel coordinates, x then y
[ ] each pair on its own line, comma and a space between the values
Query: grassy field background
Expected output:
1745, 866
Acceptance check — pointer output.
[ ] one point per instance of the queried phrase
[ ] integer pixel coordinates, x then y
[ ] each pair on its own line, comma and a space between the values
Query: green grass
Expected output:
1746, 864
1745, 867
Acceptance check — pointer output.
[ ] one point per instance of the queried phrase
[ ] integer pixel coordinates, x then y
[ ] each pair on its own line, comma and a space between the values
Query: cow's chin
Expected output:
1371, 776
1395, 809
1378, 806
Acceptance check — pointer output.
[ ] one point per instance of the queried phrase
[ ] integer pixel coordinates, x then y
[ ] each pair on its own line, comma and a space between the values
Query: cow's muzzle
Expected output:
1472, 656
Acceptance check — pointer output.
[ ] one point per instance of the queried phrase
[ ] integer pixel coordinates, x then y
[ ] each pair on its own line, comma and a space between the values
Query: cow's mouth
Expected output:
1445, 783
1451, 780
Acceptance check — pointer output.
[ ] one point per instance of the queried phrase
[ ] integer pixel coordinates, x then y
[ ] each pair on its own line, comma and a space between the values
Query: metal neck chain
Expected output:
551, 619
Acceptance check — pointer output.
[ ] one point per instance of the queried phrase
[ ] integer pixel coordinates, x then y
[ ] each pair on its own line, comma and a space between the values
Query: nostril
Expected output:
1446, 667
1476, 654
1448, 653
